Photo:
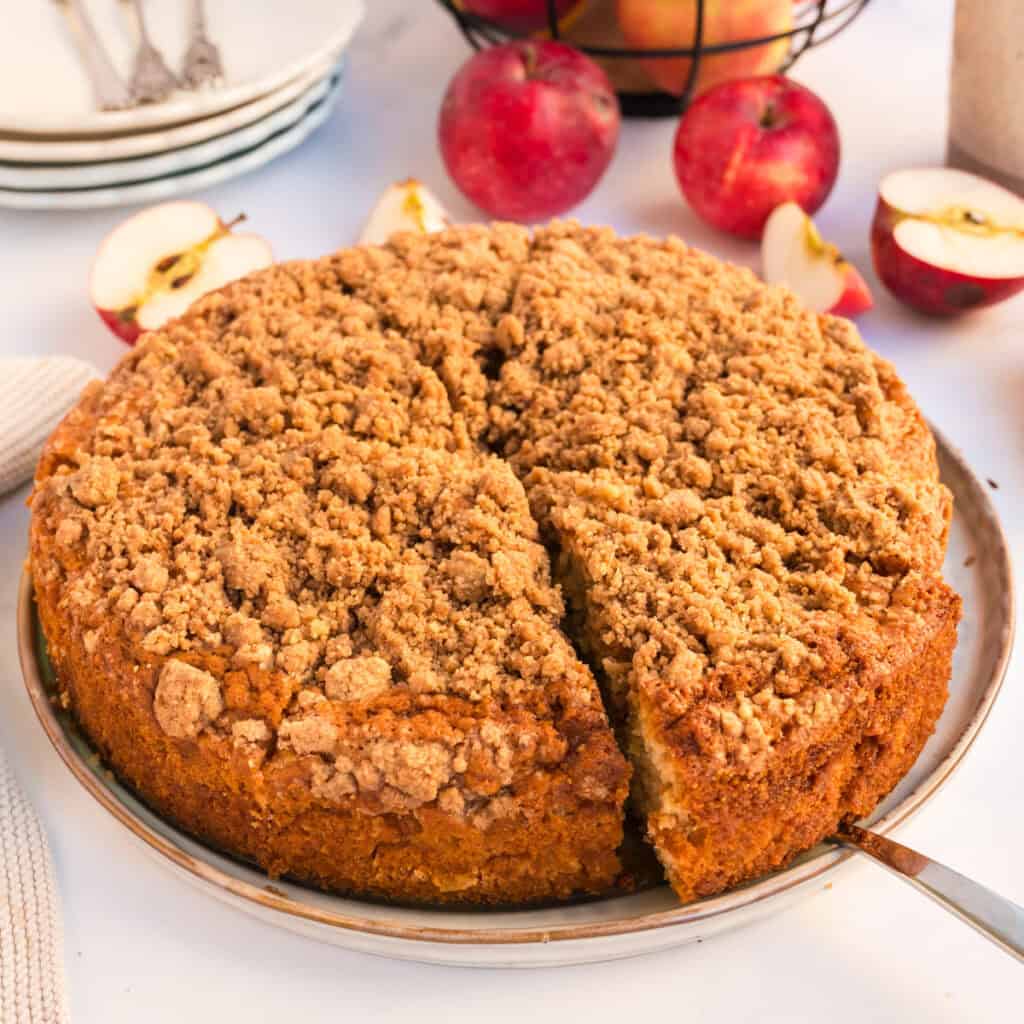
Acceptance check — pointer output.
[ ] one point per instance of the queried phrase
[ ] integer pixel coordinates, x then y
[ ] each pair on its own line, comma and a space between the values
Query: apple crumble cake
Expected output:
301, 561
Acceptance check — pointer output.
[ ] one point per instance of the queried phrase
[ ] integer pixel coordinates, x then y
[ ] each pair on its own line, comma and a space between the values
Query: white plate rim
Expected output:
775, 885
124, 147
197, 105
171, 185
140, 169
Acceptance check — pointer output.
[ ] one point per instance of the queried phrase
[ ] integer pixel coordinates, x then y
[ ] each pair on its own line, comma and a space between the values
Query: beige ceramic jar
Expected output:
986, 119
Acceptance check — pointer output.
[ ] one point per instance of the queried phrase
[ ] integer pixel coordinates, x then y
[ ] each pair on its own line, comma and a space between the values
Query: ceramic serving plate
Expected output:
229, 165
264, 44
977, 566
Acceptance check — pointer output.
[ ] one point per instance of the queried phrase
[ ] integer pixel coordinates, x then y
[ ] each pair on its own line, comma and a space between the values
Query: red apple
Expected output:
405, 206
795, 255
517, 15
747, 146
154, 265
671, 25
945, 241
528, 128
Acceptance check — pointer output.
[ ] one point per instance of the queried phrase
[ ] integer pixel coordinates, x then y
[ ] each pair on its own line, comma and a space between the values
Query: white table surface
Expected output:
143, 946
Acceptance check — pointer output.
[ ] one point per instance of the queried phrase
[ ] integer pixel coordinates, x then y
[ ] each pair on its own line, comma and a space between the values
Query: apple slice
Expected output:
795, 255
946, 241
405, 206
154, 265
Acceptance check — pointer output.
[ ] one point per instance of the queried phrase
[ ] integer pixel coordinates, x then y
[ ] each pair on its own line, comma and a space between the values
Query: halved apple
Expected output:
154, 265
405, 206
794, 254
946, 241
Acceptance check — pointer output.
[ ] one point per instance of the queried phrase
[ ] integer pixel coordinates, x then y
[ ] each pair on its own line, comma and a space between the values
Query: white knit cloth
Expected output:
34, 395
31, 944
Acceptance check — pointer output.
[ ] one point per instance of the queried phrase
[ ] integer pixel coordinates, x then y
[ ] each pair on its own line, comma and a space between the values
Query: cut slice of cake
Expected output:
753, 721
750, 525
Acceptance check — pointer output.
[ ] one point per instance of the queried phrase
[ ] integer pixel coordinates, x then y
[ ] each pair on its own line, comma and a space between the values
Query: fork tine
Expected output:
202, 64
152, 80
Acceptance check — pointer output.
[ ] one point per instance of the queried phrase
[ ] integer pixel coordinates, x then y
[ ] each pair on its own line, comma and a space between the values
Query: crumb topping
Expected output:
399, 765
736, 486
361, 678
186, 699
278, 489
317, 477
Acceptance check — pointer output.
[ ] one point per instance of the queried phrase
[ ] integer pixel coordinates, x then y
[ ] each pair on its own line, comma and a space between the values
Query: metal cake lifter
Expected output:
994, 916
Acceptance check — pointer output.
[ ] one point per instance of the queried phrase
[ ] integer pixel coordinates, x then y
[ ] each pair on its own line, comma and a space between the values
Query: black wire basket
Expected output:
595, 33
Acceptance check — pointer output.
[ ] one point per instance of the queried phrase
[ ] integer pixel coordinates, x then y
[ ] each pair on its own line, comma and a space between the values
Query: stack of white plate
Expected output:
283, 63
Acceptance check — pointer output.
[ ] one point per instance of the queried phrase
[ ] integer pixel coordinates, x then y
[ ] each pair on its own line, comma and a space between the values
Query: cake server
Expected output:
997, 918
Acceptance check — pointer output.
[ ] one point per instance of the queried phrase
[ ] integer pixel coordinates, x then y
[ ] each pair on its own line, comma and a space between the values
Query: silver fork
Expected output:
109, 90
152, 80
202, 65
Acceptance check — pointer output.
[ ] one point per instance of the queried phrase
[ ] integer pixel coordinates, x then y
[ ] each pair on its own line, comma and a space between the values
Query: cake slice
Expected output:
749, 524
753, 724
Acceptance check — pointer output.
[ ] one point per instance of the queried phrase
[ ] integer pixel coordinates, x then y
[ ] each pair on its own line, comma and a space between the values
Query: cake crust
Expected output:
290, 562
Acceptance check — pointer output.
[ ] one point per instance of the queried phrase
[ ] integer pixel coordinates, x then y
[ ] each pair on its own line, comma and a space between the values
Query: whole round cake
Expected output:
388, 570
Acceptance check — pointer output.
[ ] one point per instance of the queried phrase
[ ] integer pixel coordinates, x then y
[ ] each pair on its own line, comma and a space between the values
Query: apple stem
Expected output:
529, 53
240, 218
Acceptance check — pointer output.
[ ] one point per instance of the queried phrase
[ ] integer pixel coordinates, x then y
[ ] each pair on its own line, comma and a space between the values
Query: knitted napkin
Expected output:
34, 395
31, 955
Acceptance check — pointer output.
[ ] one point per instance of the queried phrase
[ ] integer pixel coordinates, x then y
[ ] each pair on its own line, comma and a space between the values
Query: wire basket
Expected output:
592, 27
